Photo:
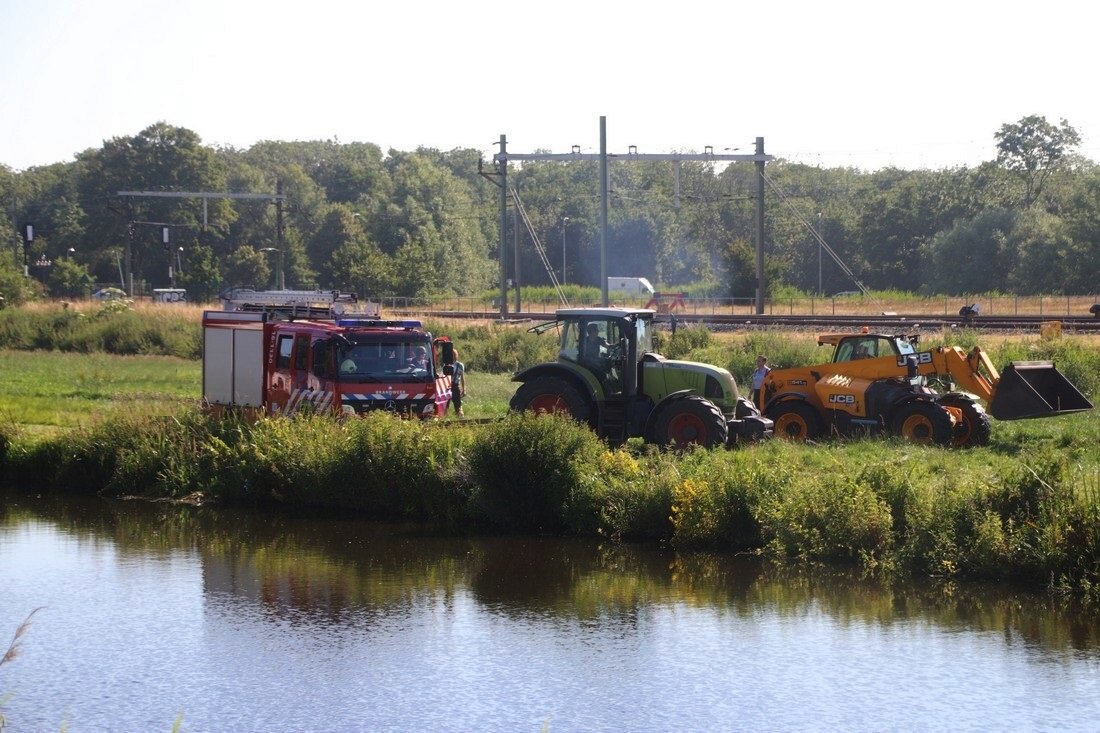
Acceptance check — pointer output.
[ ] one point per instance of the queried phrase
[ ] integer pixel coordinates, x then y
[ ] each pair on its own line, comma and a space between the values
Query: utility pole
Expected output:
515, 255
820, 291
564, 223
129, 253
503, 167
759, 226
605, 189
281, 278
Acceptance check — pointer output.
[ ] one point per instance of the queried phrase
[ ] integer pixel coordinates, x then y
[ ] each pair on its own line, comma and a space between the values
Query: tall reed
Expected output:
1021, 509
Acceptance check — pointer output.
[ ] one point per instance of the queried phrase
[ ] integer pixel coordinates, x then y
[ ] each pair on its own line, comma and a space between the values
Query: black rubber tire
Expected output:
690, 420
976, 426
795, 420
922, 422
550, 394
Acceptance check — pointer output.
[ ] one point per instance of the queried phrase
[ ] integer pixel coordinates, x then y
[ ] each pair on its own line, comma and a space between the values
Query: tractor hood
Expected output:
661, 377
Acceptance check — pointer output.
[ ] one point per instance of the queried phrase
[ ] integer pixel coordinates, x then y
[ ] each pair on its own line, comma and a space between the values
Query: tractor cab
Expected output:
608, 344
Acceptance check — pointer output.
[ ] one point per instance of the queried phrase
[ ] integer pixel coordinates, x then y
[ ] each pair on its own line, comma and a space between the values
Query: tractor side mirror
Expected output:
447, 352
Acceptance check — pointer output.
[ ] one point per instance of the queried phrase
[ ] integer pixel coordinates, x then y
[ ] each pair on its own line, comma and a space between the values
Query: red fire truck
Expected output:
283, 352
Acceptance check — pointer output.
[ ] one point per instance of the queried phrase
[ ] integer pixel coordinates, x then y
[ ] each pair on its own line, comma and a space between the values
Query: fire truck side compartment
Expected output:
233, 363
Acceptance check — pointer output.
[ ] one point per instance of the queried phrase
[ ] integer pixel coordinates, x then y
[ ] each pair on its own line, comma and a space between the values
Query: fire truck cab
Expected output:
280, 359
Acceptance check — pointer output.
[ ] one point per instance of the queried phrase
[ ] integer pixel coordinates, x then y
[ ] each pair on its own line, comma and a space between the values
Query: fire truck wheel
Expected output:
972, 425
550, 394
795, 421
923, 422
692, 420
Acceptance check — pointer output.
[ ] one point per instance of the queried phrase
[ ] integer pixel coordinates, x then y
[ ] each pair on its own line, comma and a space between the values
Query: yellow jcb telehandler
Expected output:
881, 383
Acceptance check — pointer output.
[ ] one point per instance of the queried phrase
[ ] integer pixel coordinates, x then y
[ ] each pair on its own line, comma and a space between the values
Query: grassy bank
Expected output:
1027, 508
88, 327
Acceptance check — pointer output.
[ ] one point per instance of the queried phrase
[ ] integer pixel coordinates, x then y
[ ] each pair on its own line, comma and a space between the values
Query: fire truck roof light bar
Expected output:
375, 323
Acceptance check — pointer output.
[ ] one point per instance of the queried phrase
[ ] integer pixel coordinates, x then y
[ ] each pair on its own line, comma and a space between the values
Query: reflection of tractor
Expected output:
879, 382
607, 375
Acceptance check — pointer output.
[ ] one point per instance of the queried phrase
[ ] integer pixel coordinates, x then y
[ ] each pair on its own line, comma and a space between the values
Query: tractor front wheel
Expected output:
923, 422
973, 425
795, 421
691, 420
550, 394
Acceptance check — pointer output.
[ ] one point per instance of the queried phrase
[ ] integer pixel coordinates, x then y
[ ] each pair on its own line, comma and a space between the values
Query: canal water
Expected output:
157, 615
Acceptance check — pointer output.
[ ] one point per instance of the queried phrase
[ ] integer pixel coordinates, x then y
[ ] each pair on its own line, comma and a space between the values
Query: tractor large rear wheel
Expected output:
550, 394
691, 420
795, 421
973, 425
923, 422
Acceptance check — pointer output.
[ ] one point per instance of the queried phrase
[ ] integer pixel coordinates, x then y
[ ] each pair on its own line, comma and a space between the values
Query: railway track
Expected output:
881, 323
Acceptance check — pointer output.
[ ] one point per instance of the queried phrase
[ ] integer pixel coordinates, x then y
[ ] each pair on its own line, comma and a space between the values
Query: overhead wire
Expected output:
817, 235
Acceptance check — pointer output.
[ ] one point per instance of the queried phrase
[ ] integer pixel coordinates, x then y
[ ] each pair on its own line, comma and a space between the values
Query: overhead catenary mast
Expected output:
501, 159
276, 198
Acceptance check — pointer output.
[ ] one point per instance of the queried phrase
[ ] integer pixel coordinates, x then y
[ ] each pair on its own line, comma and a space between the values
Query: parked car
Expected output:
109, 294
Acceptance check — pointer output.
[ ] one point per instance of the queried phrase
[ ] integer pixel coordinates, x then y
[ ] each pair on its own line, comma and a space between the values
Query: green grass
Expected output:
49, 390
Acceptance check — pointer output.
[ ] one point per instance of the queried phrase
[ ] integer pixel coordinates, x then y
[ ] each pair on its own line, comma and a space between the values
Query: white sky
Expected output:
837, 83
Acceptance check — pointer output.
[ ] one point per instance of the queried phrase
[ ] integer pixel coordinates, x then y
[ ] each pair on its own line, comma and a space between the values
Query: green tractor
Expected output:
608, 376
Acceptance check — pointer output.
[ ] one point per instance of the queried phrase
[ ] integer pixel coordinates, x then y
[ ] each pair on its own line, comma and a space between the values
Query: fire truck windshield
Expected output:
384, 359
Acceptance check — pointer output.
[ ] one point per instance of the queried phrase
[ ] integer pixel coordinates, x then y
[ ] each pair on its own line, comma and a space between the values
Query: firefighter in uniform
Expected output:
458, 384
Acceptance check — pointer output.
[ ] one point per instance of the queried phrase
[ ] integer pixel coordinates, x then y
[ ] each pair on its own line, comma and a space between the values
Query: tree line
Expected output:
425, 223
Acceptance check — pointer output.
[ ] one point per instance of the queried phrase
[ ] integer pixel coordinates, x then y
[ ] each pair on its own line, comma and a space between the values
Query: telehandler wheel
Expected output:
550, 394
923, 422
691, 420
795, 421
972, 425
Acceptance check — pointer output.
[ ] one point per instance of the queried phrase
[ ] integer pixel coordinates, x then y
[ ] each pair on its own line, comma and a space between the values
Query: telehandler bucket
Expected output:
1030, 389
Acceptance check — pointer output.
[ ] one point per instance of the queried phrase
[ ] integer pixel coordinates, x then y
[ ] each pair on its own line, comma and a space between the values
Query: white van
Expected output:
629, 286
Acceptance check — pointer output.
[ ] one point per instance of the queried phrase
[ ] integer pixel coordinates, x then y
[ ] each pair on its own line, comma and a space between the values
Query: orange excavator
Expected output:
881, 383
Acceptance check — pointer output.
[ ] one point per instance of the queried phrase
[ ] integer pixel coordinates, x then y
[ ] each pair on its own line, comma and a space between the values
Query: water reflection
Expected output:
253, 621
324, 570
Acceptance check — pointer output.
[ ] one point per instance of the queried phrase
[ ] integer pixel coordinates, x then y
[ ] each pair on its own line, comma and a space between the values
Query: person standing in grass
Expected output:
458, 384
758, 376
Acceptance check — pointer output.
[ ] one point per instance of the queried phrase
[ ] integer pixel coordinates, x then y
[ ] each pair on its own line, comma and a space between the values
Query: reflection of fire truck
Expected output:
283, 352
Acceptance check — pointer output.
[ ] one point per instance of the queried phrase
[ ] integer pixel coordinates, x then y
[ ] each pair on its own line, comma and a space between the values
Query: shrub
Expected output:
685, 341
527, 468
503, 349
114, 327
628, 498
